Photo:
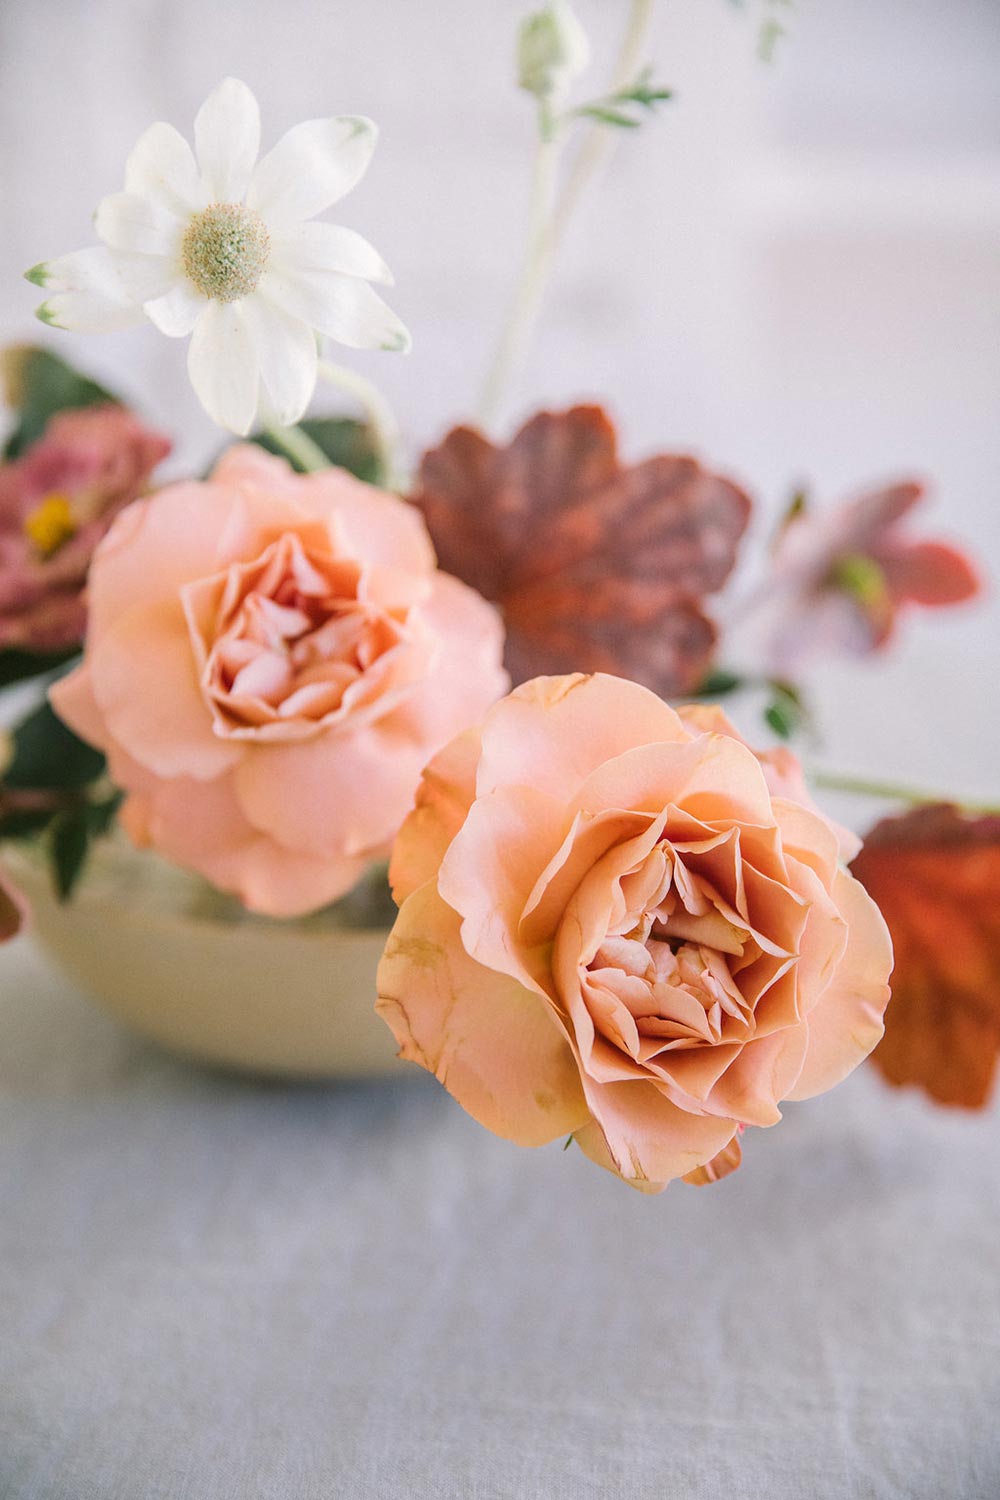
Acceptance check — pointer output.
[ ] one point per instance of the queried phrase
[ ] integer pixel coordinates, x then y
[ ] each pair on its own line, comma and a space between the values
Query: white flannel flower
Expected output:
219, 245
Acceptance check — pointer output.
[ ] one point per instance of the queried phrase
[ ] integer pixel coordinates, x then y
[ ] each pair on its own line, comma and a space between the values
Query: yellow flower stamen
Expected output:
859, 576
50, 524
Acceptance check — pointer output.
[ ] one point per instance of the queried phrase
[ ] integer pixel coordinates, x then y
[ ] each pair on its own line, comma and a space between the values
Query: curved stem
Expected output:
297, 445
378, 414
599, 143
548, 216
919, 796
531, 285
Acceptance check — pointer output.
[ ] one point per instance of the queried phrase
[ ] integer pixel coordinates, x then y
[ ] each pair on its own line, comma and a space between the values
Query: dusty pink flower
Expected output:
611, 925
11, 910
841, 576
56, 503
270, 661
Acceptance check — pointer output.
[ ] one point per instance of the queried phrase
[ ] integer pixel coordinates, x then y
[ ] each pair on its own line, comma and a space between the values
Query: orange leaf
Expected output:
596, 566
936, 876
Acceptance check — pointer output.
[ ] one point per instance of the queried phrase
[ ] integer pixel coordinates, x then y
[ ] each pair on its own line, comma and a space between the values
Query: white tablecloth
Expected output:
214, 1289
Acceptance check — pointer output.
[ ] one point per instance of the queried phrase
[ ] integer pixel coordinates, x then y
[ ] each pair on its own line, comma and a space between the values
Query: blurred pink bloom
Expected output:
842, 574
56, 503
12, 910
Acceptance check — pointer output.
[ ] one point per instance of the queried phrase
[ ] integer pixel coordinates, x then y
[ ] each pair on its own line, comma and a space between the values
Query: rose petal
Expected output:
496, 1046
637, 1133
169, 732
444, 797
847, 1021
553, 732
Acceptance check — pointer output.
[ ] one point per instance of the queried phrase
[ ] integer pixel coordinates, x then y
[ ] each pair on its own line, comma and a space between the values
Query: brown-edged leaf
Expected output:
596, 566
936, 876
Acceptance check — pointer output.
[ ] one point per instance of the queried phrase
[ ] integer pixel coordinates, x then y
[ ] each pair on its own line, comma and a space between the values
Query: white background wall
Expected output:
795, 271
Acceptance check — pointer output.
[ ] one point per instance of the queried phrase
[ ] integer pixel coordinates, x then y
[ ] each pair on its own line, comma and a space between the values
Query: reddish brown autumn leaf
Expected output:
597, 566
936, 876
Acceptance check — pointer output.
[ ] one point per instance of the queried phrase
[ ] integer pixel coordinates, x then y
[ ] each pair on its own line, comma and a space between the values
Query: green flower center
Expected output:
860, 576
225, 251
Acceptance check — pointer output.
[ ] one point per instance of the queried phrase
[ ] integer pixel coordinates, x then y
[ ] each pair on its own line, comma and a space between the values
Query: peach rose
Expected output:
270, 661
611, 926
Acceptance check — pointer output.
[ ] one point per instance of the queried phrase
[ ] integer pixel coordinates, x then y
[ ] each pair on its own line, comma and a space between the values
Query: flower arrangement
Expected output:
500, 668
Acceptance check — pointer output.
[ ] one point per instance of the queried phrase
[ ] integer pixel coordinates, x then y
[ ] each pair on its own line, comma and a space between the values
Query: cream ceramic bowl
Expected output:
168, 957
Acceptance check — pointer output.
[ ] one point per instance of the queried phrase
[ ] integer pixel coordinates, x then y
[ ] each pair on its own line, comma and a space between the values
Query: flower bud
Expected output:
552, 49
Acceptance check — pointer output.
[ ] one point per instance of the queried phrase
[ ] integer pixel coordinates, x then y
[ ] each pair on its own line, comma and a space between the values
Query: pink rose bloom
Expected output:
842, 575
56, 503
12, 910
270, 661
612, 926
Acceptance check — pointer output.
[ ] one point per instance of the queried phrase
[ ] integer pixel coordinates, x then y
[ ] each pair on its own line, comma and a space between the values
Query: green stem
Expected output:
378, 415
297, 445
599, 143
919, 796
548, 217
531, 283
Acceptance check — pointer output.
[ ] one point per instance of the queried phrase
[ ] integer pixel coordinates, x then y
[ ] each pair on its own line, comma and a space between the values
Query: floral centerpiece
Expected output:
620, 921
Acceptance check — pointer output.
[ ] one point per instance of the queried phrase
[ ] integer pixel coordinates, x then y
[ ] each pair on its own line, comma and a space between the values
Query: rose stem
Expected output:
834, 782
548, 218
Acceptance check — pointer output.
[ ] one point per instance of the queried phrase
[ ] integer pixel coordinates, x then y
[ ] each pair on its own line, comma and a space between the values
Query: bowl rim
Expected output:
26, 864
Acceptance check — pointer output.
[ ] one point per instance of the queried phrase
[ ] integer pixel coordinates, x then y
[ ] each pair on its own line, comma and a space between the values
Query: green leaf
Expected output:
613, 109
718, 683
39, 384
644, 93
346, 442
25, 823
69, 845
48, 754
18, 666
781, 719
101, 815
784, 688
605, 115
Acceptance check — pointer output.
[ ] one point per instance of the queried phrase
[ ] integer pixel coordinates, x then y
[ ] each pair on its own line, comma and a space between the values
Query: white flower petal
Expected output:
176, 313
88, 312
161, 166
312, 166
222, 364
97, 289
318, 246
126, 221
343, 307
287, 355
227, 140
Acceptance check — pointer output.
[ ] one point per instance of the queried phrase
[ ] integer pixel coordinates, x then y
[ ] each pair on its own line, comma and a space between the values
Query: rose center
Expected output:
289, 637
225, 251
